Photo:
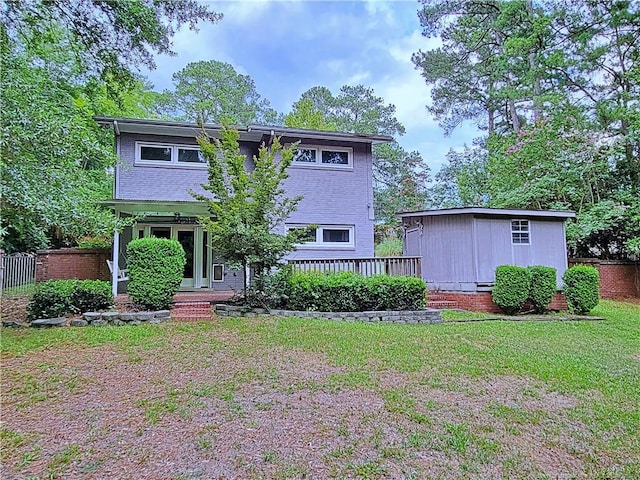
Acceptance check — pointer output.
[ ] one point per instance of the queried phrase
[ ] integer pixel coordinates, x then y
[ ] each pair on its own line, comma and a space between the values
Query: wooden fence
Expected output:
17, 272
396, 266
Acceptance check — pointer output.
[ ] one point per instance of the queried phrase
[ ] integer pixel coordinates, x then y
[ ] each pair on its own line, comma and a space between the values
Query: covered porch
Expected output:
177, 220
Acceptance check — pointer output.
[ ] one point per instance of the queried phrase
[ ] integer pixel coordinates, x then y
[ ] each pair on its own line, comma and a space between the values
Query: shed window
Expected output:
520, 232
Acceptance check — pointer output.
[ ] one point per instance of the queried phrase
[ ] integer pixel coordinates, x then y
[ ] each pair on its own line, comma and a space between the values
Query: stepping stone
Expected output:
49, 322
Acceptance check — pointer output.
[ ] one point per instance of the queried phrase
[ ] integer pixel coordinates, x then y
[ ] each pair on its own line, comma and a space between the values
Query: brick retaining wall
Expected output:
483, 302
618, 278
65, 263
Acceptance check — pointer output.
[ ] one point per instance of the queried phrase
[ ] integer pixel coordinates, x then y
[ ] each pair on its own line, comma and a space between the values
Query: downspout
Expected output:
116, 268
116, 234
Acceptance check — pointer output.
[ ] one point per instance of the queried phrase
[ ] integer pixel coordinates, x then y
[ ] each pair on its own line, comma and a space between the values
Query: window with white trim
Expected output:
520, 232
217, 272
325, 236
327, 157
164, 154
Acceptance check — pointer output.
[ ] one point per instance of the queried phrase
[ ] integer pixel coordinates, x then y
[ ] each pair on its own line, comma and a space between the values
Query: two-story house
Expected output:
160, 165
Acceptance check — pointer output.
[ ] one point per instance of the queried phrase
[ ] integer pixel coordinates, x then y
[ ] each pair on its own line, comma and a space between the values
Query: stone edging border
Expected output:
424, 317
99, 319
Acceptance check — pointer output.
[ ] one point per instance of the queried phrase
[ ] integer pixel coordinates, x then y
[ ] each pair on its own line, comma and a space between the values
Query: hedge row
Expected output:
56, 298
515, 285
338, 292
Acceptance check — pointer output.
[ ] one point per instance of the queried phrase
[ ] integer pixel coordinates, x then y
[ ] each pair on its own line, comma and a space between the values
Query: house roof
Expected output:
493, 212
255, 133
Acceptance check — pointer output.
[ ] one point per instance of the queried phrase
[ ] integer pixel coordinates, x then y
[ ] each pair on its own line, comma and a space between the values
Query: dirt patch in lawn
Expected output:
218, 404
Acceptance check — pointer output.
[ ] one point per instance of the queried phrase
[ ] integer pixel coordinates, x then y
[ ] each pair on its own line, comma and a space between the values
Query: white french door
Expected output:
193, 241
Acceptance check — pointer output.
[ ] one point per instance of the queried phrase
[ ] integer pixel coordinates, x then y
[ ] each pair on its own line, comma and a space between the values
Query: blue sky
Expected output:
288, 47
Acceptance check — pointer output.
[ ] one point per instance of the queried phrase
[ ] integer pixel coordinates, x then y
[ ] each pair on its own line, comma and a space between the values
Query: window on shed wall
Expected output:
520, 232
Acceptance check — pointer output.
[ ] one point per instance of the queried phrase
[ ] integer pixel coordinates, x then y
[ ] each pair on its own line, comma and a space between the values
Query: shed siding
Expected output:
493, 245
412, 243
548, 246
447, 252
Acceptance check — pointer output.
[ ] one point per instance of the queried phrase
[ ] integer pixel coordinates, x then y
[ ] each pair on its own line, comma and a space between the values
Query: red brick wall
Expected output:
83, 264
618, 279
482, 301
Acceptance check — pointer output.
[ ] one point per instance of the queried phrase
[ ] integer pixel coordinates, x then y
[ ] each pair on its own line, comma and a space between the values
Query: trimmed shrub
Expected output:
156, 267
581, 288
91, 295
51, 299
271, 290
511, 289
56, 298
350, 292
542, 288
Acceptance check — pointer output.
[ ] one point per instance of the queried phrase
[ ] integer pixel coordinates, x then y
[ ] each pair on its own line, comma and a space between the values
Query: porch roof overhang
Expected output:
491, 212
157, 207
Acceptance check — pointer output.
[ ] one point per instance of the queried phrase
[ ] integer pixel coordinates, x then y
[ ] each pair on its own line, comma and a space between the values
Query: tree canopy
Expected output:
213, 92
556, 86
61, 64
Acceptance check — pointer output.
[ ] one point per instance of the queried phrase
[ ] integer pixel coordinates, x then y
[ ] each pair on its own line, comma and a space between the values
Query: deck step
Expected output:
191, 310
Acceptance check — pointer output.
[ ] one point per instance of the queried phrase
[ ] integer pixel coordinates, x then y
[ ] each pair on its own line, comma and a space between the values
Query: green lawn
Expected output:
293, 398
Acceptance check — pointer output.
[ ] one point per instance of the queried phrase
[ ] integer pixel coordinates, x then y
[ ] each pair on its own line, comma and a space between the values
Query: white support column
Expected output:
114, 270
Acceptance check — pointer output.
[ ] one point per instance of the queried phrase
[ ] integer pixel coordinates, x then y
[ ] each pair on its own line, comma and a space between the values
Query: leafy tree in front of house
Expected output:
247, 206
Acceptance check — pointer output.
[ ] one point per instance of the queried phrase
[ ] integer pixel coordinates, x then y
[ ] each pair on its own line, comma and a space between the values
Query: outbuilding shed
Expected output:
461, 247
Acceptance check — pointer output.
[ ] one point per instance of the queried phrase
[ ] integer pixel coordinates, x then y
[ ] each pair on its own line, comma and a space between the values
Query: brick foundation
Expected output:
482, 301
83, 264
618, 279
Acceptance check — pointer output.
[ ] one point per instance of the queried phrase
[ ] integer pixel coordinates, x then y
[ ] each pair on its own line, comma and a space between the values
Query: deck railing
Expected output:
396, 266
17, 272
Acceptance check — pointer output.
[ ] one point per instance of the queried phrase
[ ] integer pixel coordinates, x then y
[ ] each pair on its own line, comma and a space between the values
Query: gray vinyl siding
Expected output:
341, 197
338, 196
447, 252
461, 252
161, 182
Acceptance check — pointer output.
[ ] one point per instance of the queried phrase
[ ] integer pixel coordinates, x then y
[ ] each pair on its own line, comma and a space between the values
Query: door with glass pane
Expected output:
186, 238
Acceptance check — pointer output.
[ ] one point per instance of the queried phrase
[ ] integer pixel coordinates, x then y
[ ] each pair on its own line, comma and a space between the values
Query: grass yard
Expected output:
268, 398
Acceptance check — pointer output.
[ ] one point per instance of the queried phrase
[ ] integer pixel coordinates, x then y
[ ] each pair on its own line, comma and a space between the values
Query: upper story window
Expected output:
327, 236
327, 157
520, 232
162, 154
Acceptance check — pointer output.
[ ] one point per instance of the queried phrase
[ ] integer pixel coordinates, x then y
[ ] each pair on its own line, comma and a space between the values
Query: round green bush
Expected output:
156, 268
581, 288
51, 299
543, 287
511, 289
56, 298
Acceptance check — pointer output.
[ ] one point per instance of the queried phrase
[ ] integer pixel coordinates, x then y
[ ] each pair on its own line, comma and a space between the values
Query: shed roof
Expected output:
249, 133
493, 212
